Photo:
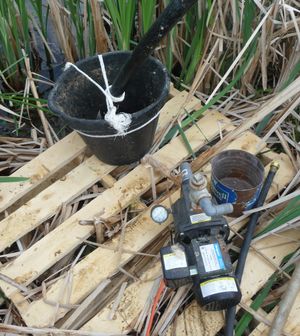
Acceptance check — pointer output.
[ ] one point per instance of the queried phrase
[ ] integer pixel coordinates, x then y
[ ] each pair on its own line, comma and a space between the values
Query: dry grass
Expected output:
15, 152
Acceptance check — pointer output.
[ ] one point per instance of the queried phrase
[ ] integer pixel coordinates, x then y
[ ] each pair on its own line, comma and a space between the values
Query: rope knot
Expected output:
121, 121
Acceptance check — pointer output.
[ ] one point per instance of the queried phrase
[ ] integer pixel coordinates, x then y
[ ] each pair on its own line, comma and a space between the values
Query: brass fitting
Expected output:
275, 166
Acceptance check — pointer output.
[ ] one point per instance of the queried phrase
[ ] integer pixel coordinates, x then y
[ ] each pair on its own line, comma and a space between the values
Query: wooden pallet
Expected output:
50, 187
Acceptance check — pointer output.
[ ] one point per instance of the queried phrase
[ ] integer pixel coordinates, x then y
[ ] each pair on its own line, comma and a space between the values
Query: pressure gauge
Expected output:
159, 214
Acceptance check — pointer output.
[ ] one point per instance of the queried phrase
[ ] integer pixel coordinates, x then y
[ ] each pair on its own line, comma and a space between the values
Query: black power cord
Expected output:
230, 314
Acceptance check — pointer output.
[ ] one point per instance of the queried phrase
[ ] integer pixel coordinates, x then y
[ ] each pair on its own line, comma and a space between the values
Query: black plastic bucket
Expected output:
237, 177
78, 101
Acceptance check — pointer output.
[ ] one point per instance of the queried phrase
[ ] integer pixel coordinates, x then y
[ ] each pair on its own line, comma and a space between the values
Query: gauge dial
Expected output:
159, 214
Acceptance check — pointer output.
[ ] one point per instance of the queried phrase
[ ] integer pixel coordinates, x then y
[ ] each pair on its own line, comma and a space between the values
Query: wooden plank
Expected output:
194, 321
292, 325
173, 106
108, 182
131, 304
257, 272
248, 142
34, 309
68, 235
41, 168
48, 202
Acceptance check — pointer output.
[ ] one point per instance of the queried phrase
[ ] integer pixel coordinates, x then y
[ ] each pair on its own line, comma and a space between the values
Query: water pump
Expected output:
199, 254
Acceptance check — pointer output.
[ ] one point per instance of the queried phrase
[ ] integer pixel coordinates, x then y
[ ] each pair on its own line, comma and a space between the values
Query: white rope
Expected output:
121, 121
118, 134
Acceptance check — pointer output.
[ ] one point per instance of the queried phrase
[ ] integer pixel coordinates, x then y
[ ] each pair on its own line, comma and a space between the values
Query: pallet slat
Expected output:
46, 203
41, 168
131, 304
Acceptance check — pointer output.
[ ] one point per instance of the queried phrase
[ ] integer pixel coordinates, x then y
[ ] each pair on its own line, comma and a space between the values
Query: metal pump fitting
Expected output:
198, 181
198, 189
200, 195
197, 195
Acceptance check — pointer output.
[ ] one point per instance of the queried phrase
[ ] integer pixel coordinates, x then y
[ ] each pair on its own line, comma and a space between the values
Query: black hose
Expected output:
230, 314
164, 23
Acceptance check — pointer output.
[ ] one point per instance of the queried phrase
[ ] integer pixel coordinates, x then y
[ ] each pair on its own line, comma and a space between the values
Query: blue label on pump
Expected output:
219, 256
222, 193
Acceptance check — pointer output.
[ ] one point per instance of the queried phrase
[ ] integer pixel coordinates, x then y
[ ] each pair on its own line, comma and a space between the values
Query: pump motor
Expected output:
199, 254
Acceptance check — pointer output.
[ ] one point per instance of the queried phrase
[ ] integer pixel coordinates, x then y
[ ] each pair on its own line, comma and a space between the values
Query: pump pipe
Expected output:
186, 172
212, 209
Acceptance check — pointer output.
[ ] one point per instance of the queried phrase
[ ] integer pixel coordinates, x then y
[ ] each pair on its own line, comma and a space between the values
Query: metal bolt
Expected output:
198, 181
